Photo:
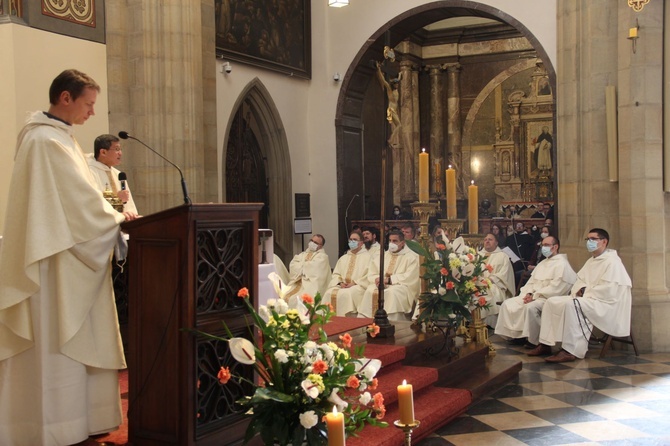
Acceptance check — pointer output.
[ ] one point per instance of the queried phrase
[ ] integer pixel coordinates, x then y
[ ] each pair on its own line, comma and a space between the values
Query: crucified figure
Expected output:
392, 115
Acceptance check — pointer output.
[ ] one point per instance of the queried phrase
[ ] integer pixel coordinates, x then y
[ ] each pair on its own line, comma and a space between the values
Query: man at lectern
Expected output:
60, 347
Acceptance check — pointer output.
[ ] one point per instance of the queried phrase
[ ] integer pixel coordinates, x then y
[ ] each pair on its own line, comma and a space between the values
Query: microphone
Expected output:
346, 214
187, 200
122, 179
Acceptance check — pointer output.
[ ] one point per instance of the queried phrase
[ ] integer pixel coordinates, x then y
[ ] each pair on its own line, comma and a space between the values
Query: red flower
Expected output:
373, 330
373, 385
306, 298
243, 293
489, 268
440, 246
224, 374
353, 382
319, 366
346, 340
450, 285
482, 301
444, 271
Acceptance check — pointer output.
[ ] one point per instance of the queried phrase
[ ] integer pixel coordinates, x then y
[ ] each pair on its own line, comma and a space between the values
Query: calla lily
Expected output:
280, 287
368, 367
242, 350
335, 399
310, 388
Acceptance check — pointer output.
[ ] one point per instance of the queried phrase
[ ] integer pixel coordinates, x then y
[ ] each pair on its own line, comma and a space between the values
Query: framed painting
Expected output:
539, 149
271, 34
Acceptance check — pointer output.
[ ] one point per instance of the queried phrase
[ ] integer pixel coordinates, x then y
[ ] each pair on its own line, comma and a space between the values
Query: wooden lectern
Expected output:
188, 263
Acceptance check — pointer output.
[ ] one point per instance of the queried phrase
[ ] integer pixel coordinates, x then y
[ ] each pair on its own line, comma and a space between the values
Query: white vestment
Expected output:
606, 303
309, 273
551, 277
374, 250
60, 347
502, 283
401, 295
351, 269
102, 174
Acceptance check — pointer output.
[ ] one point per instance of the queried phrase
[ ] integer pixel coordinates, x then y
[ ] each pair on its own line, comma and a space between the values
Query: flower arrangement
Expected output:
457, 281
301, 375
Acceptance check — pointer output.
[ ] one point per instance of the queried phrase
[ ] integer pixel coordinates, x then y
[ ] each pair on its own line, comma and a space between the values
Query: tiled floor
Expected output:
619, 400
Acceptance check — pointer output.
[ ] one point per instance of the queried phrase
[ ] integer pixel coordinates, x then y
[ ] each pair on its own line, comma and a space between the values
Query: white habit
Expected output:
350, 269
309, 273
502, 283
551, 277
103, 174
400, 296
606, 303
60, 347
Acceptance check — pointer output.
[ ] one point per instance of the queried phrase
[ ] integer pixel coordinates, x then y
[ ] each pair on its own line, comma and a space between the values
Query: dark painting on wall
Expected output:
273, 34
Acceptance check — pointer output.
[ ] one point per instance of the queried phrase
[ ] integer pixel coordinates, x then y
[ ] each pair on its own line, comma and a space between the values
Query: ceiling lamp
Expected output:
338, 3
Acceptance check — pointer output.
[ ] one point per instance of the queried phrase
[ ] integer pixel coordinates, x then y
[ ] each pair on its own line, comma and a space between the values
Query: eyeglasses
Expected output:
593, 239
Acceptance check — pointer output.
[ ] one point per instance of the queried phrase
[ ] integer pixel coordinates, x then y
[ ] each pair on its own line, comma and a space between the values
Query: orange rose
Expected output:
306, 298
346, 340
373, 330
482, 301
243, 293
450, 285
224, 374
353, 382
444, 271
373, 385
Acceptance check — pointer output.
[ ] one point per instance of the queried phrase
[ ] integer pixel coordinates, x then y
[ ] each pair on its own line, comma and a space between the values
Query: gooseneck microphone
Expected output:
187, 200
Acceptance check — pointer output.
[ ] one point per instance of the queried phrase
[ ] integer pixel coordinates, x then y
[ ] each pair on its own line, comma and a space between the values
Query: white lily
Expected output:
368, 367
242, 350
310, 389
280, 287
335, 399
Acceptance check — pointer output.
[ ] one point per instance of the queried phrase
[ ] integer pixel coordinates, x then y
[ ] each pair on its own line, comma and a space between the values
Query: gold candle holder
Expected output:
475, 241
452, 227
407, 428
479, 331
424, 211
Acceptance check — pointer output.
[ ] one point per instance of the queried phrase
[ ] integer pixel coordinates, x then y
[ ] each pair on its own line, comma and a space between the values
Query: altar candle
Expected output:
451, 192
423, 176
406, 403
473, 208
335, 423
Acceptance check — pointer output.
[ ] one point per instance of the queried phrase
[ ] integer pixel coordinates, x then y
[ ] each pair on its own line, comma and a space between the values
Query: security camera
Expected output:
227, 67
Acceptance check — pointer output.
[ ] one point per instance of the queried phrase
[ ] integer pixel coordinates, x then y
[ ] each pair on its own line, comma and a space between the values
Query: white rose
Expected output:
442, 291
281, 356
308, 419
365, 398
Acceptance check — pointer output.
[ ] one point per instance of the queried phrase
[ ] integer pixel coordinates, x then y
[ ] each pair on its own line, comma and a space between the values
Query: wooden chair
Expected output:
607, 342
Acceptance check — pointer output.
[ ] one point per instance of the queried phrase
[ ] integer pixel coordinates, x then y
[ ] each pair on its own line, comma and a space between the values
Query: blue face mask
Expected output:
546, 251
591, 245
353, 244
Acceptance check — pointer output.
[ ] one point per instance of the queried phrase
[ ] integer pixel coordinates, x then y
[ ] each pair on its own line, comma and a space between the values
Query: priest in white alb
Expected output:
519, 317
600, 297
502, 278
349, 280
309, 271
401, 281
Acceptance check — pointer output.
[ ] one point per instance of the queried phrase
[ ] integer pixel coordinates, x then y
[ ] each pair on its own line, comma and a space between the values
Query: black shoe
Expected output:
517, 341
529, 346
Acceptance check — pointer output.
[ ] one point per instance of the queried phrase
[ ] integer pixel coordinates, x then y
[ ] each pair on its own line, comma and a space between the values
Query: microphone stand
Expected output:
187, 199
346, 215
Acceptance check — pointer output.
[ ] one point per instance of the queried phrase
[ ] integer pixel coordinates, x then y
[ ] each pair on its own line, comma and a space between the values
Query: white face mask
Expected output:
312, 246
591, 245
544, 235
546, 251
353, 244
393, 247
396, 212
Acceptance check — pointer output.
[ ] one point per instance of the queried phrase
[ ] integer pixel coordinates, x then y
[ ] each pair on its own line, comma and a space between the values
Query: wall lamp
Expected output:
633, 35
338, 3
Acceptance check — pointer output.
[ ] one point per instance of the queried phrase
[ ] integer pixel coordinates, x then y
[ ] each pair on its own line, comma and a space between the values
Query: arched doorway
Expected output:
443, 25
257, 164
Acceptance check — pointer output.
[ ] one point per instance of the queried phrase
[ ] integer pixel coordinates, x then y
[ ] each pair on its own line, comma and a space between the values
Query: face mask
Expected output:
353, 244
393, 247
510, 232
546, 251
591, 245
312, 246
396, 212
544, 235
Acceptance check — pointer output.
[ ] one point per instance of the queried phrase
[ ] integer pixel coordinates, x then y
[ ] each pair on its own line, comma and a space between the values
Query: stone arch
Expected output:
271, 135
350, 105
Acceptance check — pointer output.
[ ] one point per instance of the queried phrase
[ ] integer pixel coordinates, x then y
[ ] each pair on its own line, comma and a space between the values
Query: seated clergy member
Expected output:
502, 278
601, 296
401, 281
309, 271
349, 281
102, 164
371, 237
520, 316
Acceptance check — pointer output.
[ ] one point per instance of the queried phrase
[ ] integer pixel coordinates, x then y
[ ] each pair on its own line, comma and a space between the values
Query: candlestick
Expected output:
335, 423
423, 176
451, 192
473, 209
406, 403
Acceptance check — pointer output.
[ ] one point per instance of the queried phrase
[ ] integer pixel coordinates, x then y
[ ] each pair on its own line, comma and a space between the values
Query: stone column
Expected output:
454, 128
408, 89
416, 133
436, 148
161, 82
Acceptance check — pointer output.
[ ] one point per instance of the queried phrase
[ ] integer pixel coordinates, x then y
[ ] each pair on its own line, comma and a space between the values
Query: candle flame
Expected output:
335, 410
423, 150
404, 382
472, 182
450, 166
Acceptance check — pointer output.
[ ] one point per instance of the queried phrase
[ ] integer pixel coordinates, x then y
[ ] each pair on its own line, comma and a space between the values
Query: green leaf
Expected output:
263, 394
417, 248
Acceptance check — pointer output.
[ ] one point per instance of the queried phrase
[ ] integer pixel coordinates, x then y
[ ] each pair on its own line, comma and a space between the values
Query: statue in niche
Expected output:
543, 145
392, 113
